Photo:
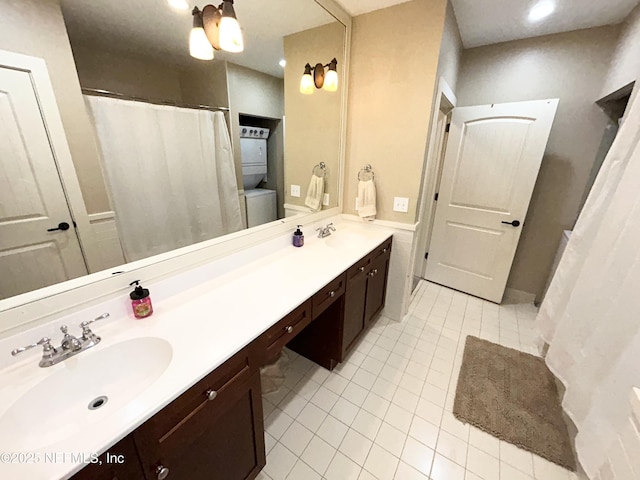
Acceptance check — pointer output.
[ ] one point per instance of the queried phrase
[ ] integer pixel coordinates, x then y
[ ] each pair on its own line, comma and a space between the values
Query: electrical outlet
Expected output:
357, 204
400, 204
325, 200
295, 190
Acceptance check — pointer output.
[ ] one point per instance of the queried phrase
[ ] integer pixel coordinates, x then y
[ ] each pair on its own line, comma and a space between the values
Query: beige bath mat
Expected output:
512, 395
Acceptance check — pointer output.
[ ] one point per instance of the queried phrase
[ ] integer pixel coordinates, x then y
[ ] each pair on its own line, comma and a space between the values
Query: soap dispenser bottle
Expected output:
140, 301
298, 237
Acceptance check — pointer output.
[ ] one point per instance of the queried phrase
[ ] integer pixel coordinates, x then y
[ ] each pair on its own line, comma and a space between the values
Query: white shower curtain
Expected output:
591, 313
170, 174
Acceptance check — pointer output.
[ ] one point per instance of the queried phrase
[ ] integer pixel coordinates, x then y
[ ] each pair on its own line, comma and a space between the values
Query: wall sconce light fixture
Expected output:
328, 81
215, 28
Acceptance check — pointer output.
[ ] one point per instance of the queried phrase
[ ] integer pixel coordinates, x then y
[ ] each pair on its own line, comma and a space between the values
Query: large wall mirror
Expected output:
168, 150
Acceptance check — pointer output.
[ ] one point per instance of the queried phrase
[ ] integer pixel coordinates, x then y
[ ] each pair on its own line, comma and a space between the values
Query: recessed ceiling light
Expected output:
541, 10
283, 63
179, 4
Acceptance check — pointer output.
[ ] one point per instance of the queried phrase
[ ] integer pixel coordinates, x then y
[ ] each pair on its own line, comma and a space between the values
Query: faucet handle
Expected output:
330, 226
86, 323
44, 341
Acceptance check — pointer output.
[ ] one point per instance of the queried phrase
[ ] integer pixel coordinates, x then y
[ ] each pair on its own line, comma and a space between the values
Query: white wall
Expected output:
450, 50
625, 65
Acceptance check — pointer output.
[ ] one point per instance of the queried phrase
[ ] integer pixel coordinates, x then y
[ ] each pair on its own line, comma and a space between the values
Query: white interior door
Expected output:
32, 199
490, 168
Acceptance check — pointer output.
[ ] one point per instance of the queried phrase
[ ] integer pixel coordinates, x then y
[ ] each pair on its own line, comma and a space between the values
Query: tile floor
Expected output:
385, 413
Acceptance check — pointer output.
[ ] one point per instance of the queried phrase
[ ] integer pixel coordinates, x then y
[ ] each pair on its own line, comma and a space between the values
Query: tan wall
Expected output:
569, 66
394, 60
205, 83
251, 93
625, 65
36, 28
450, 50
128, 73
312, 132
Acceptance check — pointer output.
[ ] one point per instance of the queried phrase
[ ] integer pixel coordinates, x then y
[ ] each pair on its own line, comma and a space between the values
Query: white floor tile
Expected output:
293, 404
381, 463
345, 411
452, 447
356, 446
342, 468
445, 469
277, 423
483, 464
391, 439
485, 442
311, 417
424, 432
296, 438
302, 471
280, 462
417, 455
544, 469
324, 399
318, 455
376, 405
355, 394
517, 458
507, 472
366, 424
405, 399
406, 472
429, 411
332, 431
398, 417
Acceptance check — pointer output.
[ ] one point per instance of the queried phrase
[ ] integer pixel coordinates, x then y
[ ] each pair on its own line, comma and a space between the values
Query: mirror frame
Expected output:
28, 310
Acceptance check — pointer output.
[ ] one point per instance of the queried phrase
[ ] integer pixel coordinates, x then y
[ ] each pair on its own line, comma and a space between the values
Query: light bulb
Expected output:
179, 4
231, 35
541, 10
330, 81
306, 84
199, 46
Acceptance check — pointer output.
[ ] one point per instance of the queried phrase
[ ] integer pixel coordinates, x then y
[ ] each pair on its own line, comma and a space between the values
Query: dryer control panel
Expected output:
253, 132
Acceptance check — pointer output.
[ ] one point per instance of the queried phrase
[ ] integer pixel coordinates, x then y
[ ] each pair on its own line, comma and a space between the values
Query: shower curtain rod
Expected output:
107, 93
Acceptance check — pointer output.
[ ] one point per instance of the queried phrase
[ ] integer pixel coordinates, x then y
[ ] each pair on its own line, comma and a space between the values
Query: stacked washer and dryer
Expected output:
261, 203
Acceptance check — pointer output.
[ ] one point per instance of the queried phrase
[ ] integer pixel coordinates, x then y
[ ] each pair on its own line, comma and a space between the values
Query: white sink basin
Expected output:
58, 406
341, 239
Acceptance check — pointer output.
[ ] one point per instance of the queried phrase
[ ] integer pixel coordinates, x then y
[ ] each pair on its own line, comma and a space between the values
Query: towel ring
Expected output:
320, 170
366, 173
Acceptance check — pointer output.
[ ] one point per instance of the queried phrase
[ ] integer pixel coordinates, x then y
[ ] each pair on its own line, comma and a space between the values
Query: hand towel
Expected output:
315, 193
367, 200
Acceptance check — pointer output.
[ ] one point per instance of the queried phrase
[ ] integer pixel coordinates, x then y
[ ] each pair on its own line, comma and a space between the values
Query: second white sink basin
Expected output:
81, 390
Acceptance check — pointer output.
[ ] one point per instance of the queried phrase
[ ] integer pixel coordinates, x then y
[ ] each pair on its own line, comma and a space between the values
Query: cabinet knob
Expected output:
384, 250
332, 294
162, 472
371, 273
375, 270
361, 269
289, 329
211, 394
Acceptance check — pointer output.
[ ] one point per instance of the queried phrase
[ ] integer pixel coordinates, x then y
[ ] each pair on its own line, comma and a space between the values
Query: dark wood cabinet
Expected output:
377, 282
214, 431
354, 304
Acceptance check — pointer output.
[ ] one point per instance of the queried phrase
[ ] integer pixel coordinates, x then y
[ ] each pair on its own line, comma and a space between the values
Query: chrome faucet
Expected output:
325, 231
69, 347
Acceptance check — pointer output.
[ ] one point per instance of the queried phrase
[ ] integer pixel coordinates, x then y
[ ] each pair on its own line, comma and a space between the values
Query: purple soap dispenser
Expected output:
298, 237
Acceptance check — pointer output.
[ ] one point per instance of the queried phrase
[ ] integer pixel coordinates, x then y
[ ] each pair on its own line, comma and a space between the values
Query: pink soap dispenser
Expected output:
140, 301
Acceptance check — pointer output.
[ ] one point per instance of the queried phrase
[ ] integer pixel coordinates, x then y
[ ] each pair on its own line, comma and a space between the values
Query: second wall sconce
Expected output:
327, 81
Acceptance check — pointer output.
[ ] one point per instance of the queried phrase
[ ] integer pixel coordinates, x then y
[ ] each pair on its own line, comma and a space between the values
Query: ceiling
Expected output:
153, 28
493, 21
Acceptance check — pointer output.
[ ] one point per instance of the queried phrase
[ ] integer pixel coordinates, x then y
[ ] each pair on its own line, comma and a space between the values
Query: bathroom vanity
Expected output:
202, 417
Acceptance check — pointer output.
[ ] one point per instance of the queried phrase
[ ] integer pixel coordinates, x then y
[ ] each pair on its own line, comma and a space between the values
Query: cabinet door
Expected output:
376, 287
119, 462
204, 438
354, 303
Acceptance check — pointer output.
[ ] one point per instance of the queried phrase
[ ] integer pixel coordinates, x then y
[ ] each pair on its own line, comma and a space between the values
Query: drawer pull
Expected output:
384, 250
373, 272
162, 472
211, 394
361, 269
332, 294
289, 329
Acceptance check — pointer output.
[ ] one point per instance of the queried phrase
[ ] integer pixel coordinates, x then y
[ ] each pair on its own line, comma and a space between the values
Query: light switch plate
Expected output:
295, 190
400, 204
325, 200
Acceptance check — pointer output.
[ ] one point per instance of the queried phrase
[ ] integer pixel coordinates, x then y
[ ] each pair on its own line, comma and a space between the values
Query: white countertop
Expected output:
207, 315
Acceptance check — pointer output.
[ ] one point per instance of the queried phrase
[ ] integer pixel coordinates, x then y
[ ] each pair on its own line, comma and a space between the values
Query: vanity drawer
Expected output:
329, 294
213, 393
358, 270
286, 329
383, 249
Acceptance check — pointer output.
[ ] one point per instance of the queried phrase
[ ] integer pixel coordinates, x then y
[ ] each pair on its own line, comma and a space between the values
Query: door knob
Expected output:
515, 223
162, 472
61, 226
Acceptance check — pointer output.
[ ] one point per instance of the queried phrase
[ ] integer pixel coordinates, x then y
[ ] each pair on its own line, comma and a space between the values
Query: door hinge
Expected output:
75, 225
447, 128
435, 197
426, 255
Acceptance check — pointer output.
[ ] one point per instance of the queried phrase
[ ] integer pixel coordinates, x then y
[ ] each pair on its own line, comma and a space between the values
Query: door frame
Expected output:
447, 100
43, 88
